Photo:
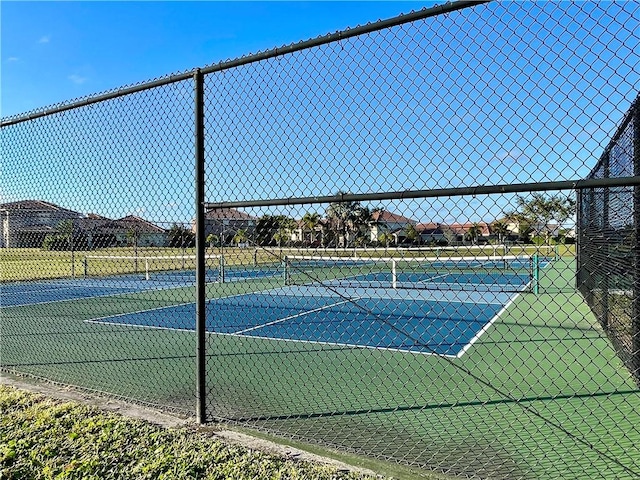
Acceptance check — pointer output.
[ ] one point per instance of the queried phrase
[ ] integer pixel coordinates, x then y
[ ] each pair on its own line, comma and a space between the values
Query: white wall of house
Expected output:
156, 239
13, 221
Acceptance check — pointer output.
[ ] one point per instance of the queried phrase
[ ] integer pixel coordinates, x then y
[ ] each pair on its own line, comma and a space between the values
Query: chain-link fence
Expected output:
378, 252
608, 243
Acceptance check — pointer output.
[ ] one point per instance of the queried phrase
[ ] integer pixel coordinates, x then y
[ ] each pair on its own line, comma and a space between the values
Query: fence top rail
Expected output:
229, 64
439, 192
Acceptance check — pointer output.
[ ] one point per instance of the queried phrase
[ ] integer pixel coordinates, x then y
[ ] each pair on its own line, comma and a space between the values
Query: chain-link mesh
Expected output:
91, 231
386, 243
608, 243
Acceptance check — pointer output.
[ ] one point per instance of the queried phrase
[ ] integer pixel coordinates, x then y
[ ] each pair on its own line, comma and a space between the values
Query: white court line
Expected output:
113, 294
490, 323
243, 333
101, 319
297, 315
56, 287
337, 344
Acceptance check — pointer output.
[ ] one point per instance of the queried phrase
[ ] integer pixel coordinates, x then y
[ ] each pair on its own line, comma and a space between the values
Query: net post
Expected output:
221, 266
255, 258
146, 269
285, 270
606, 240
536, 274
394, 274
85, 266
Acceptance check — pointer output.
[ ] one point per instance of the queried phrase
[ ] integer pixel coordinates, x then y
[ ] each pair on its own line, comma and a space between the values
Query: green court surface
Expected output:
542, 389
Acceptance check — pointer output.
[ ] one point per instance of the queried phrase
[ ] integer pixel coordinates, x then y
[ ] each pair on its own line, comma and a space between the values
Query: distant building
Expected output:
431, 232
26, 223
309, 238
383, 221
145, 233
460, 231
225, 223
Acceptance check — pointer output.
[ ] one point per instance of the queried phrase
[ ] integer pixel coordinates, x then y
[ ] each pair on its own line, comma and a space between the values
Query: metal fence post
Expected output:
198, 79
606, 240
579, 232
635, 311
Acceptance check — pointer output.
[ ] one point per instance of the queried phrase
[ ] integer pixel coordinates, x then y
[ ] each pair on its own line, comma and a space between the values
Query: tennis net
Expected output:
475, 273
180, 268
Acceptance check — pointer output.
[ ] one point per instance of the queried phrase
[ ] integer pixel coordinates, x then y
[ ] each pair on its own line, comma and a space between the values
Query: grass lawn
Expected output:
23, 264
41, 438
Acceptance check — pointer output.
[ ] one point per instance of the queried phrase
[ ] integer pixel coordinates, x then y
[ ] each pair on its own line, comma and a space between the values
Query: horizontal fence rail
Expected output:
413, 242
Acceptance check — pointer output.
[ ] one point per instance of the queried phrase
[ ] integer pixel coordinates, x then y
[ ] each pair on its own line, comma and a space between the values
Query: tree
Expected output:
500, 228
274, 230
386, 238
213, 239
346, 217
283, 234
525, 227
181, 237
310, 221
540, 209
240, 237
62, 238
65, 229
412, 234
474, 233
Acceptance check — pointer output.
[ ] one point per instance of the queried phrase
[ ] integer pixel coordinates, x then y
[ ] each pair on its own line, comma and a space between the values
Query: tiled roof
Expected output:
35, 205
384, 216
140, 224
228, 214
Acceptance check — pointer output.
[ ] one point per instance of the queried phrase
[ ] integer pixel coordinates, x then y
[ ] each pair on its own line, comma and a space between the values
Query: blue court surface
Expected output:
442, 323
444, 318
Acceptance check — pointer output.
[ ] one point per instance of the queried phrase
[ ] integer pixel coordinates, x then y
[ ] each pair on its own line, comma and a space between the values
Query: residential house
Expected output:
383, 221
459, 232
103, 232
309, 238
26, 223
132, 228
99, 231
226, 222
431, 232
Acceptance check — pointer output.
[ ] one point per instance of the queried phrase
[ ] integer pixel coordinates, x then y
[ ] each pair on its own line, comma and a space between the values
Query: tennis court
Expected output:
422, 306
86, 287
260, 324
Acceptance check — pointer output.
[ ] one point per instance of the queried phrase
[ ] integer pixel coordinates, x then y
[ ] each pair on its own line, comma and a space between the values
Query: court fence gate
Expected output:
403, 242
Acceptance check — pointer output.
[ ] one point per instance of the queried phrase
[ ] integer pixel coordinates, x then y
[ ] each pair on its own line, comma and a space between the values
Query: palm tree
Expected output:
412, 234
343, 217
212, 239
240, 237
500, 228
474, 232
386, 238
283, 234
310, 221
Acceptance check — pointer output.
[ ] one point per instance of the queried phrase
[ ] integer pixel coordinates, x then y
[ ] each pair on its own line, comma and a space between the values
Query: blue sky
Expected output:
503, 93
57, 51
